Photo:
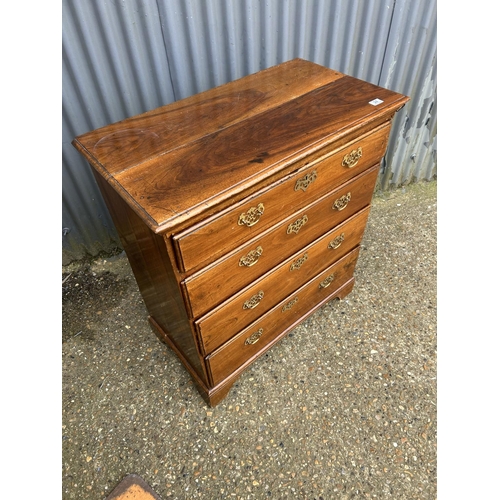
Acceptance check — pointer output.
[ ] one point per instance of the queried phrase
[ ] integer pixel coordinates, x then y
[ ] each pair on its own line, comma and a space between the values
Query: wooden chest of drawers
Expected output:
241, 209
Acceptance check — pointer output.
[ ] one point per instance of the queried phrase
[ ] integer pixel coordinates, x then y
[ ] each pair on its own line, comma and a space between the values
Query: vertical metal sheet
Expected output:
410, 68
114, 65
123, 57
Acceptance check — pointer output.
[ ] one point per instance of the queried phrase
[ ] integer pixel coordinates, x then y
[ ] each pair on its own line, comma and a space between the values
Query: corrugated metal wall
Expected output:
124, 57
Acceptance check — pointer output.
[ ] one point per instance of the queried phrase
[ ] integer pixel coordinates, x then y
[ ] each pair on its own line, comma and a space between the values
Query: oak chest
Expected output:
241, 209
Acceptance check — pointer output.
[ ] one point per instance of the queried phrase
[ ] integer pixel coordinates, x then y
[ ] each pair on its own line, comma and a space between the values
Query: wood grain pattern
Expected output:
133, 487
223, 233
225, 277
295, 149
170, 174
220, 324
220, 390
127, 143
152, 268
200, 174
236, 352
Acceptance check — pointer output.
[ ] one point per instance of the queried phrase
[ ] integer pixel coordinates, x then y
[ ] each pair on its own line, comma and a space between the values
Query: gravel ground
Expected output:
343, 407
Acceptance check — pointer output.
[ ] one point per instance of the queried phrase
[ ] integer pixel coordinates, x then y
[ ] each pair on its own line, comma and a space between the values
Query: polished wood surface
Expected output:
197, 174
214, 284
203, 173
156, 279
133, 487
125, 144
221, 323
220, 234
213, 394
242, 209
238, 350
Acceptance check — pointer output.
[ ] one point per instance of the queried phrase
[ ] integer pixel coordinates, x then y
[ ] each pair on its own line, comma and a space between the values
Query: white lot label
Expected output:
376, 102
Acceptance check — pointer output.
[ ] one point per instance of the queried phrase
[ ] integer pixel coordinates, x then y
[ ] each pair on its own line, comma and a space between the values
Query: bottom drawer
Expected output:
261, 334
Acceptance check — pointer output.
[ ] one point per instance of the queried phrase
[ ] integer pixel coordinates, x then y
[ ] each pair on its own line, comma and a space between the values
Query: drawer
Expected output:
239, 311
317, 174
212, 285
260, 335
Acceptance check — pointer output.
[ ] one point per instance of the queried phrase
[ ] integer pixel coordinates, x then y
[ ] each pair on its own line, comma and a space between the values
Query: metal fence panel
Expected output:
126, 57
410, 68
114, 65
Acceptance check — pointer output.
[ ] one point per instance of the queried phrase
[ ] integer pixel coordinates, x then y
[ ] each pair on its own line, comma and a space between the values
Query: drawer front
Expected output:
214, 284
258, 337
316, 177
239, 311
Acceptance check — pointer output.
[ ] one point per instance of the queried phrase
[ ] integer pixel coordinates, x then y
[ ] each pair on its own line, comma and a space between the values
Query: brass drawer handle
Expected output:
251, 258
341, 203
352, 158
252, 216
327, 281
289, 305
254, 337
294, 227
297, 264
304, 182
336, 242
254, 301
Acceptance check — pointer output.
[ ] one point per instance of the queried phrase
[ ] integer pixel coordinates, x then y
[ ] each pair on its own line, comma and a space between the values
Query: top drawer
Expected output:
316, 175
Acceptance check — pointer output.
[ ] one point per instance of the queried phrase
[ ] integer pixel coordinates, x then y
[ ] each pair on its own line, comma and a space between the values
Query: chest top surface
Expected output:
187, 157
